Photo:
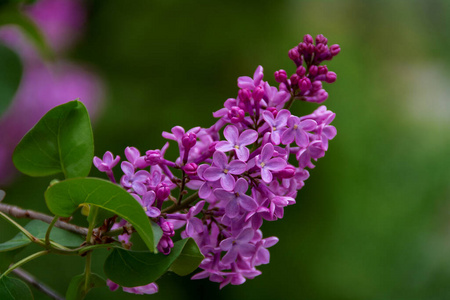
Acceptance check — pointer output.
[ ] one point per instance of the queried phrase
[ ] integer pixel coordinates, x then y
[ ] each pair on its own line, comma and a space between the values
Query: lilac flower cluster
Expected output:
239, 181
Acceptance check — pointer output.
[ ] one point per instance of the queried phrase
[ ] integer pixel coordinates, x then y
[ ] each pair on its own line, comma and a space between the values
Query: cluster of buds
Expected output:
219, 191
306, 82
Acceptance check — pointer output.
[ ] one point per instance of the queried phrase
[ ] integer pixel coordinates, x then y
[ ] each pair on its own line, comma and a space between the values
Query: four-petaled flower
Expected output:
236, 199
107, 163
237, 142
238, 245
224, 171
277, 125
266, 163
297, 131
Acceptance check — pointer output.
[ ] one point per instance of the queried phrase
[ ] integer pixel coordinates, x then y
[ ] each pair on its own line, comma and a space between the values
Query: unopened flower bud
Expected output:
287, 172
258, 93
308, 39
153, 157
244, 95
191, 168
321, 48
330, 77
189, 140
165, 244
310, 49
294, 55
301, 71
294, 79
304, 84
167, 228
280, 76
320, 39
313, 70
322, 96
162, 191
236, 114
335, 49
316, 85
323, 70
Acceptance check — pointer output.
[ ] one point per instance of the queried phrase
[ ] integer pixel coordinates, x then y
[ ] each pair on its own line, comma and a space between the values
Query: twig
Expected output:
182, 205
18, 212
38, 285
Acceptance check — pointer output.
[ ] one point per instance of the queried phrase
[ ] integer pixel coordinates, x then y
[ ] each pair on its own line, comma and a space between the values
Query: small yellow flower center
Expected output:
295, 126
237, 194
236, 146
145, 209
274, 128
225, 171
262, 165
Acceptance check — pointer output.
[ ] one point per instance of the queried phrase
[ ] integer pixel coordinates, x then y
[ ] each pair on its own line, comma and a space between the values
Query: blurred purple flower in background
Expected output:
45, 84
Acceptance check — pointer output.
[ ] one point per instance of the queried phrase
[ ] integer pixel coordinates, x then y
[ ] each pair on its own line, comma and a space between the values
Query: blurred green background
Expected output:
373, 221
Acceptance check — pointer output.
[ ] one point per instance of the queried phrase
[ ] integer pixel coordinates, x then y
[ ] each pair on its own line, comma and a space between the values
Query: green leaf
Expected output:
77, 289
61, 141
188, 260
65, 197
132, 268
10, 75
14, 289
38, 229
10, 15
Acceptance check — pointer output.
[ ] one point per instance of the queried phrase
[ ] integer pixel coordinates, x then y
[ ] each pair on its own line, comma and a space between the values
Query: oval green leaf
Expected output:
14, 289
61, 141
133, 268
10, 75
64, 197
38, 229
77, 288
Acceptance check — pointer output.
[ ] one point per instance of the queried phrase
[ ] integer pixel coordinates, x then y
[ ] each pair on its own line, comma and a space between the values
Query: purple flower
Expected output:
224, 170
313, 151
297, 131
134, 180
266, 163
262, 255
150, 288
237, 142
147, 201
236, 199
274, 97
193, 224
238, 245
245, 82
277, 125
107, 163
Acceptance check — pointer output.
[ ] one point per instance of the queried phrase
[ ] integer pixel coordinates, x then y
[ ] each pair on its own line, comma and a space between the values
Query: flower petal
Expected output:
227, 182
220, 159
247, 137
237, 167
231, 133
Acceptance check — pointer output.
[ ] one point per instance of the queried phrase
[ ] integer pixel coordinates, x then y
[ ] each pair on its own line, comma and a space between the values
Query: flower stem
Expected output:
24, 261
23, 230
182, 205
87, 270
92, 219
50, 227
